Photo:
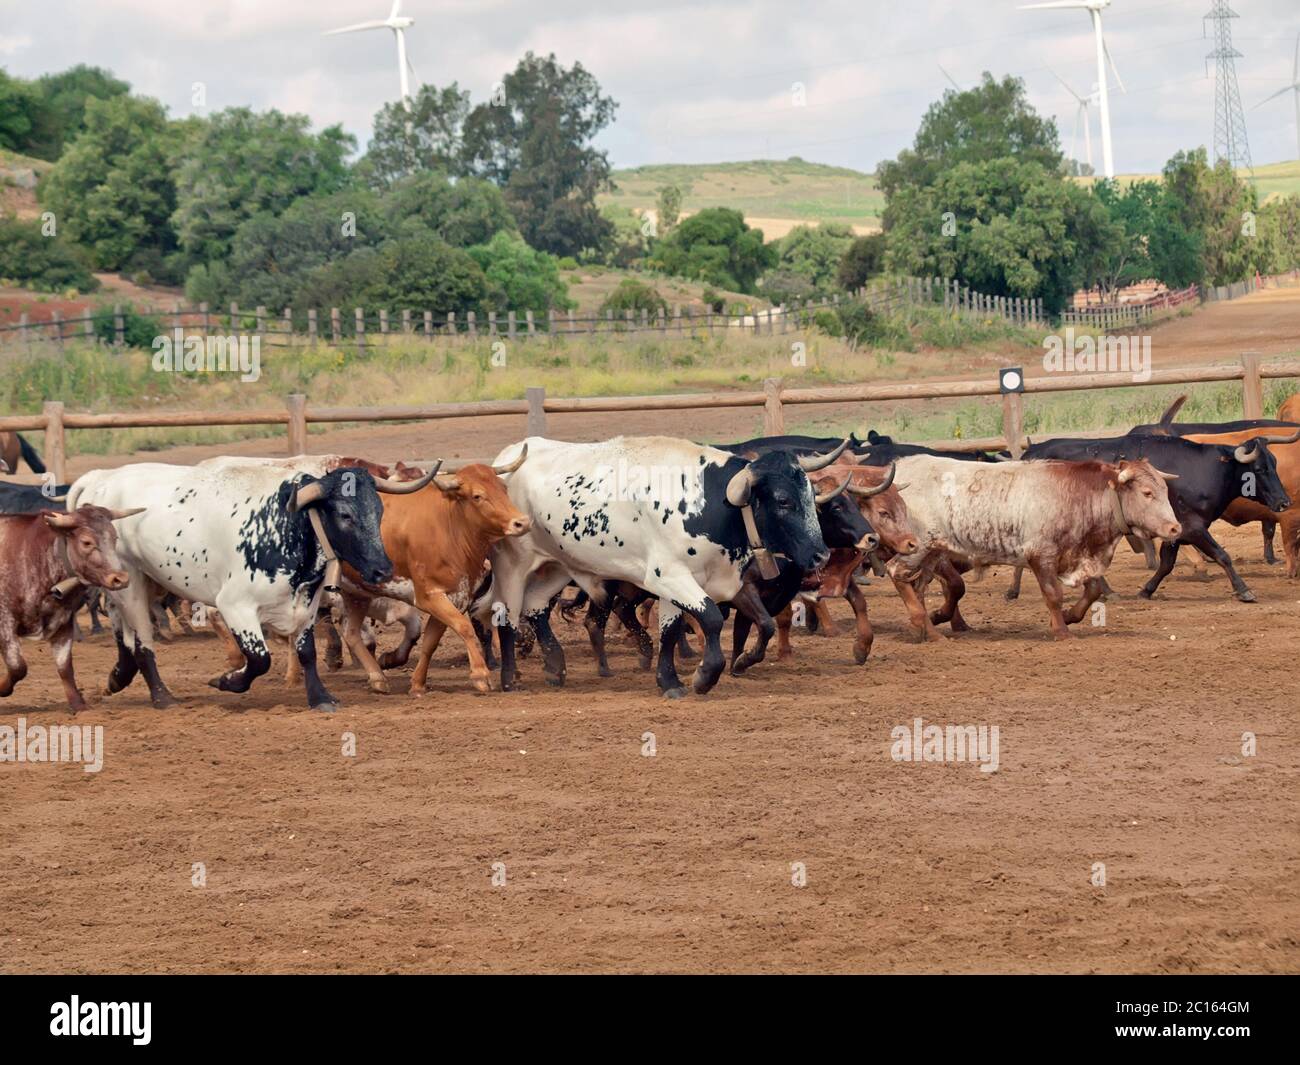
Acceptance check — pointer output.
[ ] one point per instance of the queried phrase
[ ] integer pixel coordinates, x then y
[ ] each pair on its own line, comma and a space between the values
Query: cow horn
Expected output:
867, 493
826, 497
448, 482
501, 471
1247, 457
813, 463
1167, 419
1125, 475
306, 496
405, 488
61, 521
118, 515
1273, 439
1166, 476
739, 487
4, 466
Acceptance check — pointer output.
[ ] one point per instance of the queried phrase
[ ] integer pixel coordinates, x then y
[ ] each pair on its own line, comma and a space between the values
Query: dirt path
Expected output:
1122, 748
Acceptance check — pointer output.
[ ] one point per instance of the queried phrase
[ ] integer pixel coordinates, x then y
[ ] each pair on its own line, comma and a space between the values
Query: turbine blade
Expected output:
1055, 5
1279, 92
397, 6
1114, 69
357, 27
1067, 85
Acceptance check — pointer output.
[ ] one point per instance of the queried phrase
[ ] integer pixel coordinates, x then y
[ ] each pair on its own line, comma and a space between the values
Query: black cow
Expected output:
29, 498
1209, 478
876, 450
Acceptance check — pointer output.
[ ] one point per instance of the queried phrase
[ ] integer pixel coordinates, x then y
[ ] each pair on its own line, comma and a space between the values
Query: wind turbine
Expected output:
1080, 112
398, 23
1094, 9
1293, 87
949, 77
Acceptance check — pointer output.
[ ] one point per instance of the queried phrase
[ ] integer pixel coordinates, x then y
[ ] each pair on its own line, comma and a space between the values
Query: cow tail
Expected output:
568, 608
30, 456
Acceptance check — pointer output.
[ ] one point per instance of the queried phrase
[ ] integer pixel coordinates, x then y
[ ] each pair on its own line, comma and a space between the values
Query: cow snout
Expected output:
116, 581
908, 545
869, 542
519, 526
381, 575
821, 558
1172, 532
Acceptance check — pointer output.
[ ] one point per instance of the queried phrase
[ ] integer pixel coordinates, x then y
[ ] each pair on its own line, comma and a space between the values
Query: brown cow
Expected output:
51, 559
438, 540
1286, 452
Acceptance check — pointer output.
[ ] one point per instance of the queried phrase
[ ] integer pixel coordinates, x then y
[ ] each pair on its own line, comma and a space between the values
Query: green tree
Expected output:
62, 111
19, 110
715, 245
520, 278
991, 121
635, 296
863, 260
112, 190
1213, 203
668, 209
814, 253
469, 211
50, 264
241, 163
533, 139
427, 138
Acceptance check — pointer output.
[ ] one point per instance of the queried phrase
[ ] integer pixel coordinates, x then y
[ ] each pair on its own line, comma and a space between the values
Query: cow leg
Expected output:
485, 641
1092, 591
133, 607
1205, 543
293, 668
1168, 556
354, 613
1268, 528
750, 603
625, 610
124, 669
670, 627
597, 617
914, 599
953, 589
234, 656
318, 696
95, 605
440, 608
783, 622
825, 623
1146, 547
1053, 596
333, 644
246, 629
61, 646
1291, 542
429, 641
15, 667
553, 663
866, 636
410, 637
712, 661
1013, 593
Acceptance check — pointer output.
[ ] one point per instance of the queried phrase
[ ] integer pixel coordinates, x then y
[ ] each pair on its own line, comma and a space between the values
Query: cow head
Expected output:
775, 487
882, 502
481, 499
91, 543
346, 504
1255, 458
1143, 496
841, 521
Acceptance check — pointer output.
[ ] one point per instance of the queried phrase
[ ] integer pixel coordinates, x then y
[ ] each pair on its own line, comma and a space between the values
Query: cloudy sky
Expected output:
696, 82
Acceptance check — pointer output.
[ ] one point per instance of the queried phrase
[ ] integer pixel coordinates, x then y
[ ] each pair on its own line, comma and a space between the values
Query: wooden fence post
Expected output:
428, 322
536, 411
383, 322
259, 325
406, 320
471, 323
203, 310
529, 324
119, 327
1013, 422
773, 415
361, 332
57, 318
297, 404
1252, 388
512, 325
336, 325
55, 444
311, 325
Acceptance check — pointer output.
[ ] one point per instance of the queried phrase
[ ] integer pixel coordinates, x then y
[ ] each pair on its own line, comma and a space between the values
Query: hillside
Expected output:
774, 196
18, 177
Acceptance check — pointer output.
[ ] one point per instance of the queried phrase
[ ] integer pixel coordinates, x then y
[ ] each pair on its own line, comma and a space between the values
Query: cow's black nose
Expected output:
820, 559
382, 575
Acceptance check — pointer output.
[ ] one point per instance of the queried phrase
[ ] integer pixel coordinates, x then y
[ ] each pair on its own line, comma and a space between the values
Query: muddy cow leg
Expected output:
712, 661
1092, 590
61, 646
318, 697
670, 627
1053, 596
1013, 593
783, 622
553, 664
953, 589
1204, 542
626, 612
1268, 528
1168, 556
596, 619
865, 635
15, 668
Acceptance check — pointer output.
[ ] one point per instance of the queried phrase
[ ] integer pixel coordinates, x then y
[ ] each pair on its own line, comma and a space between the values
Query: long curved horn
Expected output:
739, 487
61, 521
118, 515
1246, 457
306, 496
812, 463
1274, 439
405, 488
1167, 419
502, 470
1166, 476
867, 493
826, 497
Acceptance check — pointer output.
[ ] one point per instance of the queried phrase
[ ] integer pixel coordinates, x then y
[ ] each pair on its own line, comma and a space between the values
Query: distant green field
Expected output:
1274, 179
791, 189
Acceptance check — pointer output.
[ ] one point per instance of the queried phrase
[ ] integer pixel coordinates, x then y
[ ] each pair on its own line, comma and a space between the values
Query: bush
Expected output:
519, 277
863, 260
635, 296
716, 246
140, 329
50, 264
785, 286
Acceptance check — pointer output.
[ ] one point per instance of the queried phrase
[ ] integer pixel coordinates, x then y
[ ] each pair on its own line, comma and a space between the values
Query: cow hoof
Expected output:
326, 707
605, 671
1146, 593
674, 693
861, 654
416, 690
162, 702
1011, 597
741, 664
333, 665
644, 662
1247, 596
555, 680
1062, 637
379, 684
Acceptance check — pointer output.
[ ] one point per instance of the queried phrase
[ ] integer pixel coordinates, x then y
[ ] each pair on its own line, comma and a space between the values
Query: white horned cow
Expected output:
246, 538
680, 520
1060, 519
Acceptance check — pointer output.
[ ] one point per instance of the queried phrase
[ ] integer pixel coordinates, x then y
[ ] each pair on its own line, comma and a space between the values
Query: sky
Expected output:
831, 82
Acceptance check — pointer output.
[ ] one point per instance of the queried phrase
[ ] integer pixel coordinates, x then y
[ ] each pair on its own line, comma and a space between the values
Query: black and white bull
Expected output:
244, 539
680, 520
1209, 478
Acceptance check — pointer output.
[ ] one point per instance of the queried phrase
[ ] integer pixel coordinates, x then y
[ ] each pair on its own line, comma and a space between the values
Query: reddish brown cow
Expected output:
51, 561
438, 540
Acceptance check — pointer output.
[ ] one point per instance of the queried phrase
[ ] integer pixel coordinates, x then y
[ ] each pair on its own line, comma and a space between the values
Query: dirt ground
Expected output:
1122, 748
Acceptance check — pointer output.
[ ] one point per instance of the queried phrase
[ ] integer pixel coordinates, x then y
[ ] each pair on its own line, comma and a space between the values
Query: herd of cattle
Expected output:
280, 546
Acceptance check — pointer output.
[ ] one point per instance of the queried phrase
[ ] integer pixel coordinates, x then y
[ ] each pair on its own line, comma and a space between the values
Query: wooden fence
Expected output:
55, 420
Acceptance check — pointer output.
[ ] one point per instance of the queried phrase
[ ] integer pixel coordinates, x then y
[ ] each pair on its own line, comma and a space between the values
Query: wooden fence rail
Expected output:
55, 420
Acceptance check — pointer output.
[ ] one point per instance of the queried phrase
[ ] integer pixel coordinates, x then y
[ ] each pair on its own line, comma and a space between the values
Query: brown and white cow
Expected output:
438, 539
51, 560
1060, 519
